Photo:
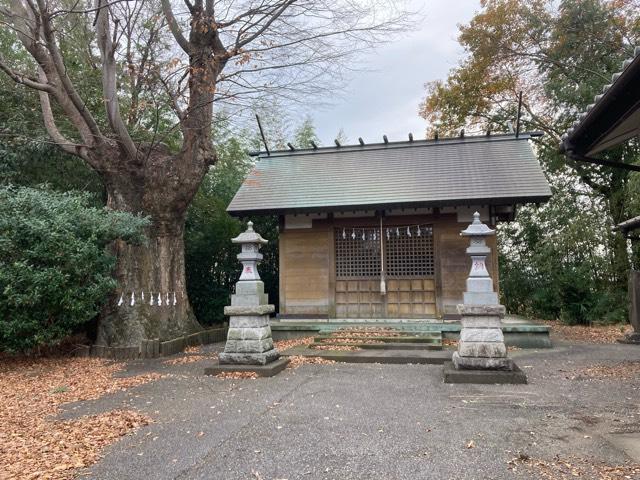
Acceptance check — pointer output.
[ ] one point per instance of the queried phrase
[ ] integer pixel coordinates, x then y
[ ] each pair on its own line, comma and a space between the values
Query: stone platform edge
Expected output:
528, 336
483, 377
154, 348
267, 370
398, 357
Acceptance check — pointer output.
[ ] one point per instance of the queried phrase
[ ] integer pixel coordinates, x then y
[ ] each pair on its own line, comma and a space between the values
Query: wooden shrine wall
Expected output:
308, 284
305, 271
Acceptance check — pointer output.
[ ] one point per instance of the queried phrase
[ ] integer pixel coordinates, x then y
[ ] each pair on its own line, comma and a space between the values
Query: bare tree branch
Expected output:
175, 27
107, 51
270, 18
52, 128
56, 59
24, 79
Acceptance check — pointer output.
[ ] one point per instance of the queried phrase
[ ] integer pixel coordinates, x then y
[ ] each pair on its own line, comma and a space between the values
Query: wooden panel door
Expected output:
409, 263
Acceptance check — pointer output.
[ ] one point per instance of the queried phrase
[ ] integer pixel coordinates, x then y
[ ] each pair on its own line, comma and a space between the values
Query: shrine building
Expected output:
372, 231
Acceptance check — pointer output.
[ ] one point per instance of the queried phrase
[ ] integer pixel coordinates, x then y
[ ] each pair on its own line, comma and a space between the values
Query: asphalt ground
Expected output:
371, 421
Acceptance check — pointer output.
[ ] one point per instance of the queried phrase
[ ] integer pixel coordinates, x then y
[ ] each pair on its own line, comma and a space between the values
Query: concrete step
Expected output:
375, 356
517, 332
383, 346
399, 339
381, 333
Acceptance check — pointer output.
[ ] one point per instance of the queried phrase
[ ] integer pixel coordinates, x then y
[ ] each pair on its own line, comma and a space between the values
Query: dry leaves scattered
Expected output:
193, 349
294, 342
185, 359
561, 469
593, 334
336, 348
449, 342
297, 360
365, 341
368, 329
366, 332
237, 375
32, 443
622, 371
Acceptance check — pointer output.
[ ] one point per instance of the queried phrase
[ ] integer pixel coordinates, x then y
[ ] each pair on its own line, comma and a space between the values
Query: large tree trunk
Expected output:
151, 299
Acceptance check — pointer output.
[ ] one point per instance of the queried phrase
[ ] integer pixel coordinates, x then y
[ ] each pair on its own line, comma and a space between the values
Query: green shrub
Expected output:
55, 271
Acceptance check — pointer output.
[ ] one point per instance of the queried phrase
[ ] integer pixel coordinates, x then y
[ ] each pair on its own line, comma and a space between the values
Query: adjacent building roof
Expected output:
490, 170
613, 117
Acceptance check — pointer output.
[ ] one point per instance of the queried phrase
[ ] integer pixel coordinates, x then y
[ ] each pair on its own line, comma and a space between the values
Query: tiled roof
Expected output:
499, 169
614, 115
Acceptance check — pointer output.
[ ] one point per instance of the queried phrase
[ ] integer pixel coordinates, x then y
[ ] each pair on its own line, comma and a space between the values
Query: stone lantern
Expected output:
481, 349
249, 340
479, 283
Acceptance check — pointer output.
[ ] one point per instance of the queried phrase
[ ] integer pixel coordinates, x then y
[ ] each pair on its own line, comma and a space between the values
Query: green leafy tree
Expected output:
305, 134
211, 259
55, 270
129, 88
33, 164
559, 55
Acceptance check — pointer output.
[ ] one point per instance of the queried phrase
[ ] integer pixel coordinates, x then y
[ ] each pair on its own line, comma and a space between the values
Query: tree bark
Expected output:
151, 299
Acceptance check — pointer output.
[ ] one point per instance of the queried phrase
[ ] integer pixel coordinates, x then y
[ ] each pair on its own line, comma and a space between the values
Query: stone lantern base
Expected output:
249, 340
481, 344
482, 354
249, 346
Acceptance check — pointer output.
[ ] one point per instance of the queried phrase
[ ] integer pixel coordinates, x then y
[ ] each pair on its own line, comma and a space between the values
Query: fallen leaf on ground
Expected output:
294, 342
297, 360
589, 334
190, 359
351, 340
237, 375
622, 371
35, 445
336, 348
568, 468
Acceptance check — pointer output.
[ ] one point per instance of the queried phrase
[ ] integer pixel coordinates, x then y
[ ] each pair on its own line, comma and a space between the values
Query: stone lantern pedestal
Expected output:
482, 354
249, 346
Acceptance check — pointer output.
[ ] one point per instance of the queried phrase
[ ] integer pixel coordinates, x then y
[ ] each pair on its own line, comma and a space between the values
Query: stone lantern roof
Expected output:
250, 236
477, 228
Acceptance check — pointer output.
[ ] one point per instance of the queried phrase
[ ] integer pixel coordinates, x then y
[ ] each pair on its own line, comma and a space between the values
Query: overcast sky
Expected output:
385, 99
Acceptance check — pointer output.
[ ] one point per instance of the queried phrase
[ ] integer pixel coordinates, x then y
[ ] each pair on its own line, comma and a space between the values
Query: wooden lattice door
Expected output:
409, 266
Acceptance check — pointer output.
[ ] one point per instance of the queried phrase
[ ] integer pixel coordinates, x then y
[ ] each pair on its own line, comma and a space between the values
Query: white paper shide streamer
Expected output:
168, 298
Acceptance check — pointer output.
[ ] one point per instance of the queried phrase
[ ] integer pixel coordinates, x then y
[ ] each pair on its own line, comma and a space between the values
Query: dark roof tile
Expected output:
496, 169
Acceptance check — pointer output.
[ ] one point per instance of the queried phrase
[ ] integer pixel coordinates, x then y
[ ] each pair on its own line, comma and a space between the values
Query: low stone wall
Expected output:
155, 348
